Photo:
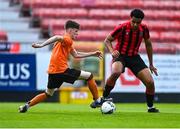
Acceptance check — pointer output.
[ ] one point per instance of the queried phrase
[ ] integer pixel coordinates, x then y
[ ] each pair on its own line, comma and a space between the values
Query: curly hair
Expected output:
137, 13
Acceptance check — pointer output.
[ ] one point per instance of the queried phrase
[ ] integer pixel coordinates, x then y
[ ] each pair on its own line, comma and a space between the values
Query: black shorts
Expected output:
69, 76
134, 63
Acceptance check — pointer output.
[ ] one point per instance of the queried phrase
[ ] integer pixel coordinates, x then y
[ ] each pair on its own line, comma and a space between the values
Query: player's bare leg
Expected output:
146, 77
37, 99
117, 68
92, 87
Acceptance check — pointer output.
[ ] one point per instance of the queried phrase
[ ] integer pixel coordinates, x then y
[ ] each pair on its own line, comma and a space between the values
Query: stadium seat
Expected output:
3, 36
56, 3
108, 13
90, 24
124, 14
87, 35
165, 25
155, 25
161, 4
164, 48
100, 16
59, 13
118, 4
170, 36
163, 14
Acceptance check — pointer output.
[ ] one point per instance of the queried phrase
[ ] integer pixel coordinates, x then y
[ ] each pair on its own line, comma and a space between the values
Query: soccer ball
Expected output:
108, 107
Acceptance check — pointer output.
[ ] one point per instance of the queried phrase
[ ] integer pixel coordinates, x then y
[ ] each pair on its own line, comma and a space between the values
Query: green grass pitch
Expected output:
55, 115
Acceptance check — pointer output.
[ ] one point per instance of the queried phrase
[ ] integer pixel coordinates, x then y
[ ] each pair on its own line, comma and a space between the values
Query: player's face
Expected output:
74, 33
135, 22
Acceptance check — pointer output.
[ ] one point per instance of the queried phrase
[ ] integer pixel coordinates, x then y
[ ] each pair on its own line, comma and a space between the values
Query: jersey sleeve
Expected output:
116, 31
146, 34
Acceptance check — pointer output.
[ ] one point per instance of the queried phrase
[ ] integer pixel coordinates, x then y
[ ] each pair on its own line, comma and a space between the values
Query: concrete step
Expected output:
15, 25
18, 26
9, 14
11, 19
27, 48
4, 4
23, 37
21, 30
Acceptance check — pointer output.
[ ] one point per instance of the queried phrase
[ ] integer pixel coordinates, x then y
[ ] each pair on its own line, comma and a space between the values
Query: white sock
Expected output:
150, 107
98, 100
27, 105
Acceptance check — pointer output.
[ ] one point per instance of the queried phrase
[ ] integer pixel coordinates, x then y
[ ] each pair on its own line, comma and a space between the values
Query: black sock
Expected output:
107, 90
149, 100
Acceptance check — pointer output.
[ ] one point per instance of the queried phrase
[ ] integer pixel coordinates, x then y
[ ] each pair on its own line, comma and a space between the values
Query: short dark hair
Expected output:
72, 24
137, 13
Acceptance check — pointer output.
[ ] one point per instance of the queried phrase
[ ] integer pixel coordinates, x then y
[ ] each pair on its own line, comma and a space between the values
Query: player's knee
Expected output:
150, 83
90, 77
49, 92
85, 75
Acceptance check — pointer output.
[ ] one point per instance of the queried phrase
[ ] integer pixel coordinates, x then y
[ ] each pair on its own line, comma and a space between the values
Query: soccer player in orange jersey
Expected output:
58, 71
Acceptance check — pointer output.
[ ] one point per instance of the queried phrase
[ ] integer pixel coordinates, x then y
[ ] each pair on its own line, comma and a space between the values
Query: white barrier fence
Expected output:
168, 80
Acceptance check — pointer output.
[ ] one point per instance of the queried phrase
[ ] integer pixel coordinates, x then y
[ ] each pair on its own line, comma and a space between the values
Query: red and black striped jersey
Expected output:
128, 40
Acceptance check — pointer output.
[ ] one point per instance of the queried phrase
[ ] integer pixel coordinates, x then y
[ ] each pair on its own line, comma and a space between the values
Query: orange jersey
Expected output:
60, 54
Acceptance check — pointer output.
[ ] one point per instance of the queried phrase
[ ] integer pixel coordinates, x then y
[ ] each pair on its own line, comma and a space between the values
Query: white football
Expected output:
108, 107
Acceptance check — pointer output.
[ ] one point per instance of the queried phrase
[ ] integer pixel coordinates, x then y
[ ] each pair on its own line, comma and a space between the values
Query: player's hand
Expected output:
153, 70
37, 45
115, 54
98, 54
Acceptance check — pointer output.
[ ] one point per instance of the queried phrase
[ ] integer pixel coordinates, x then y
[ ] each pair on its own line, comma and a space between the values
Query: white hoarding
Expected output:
168, 80
42, 60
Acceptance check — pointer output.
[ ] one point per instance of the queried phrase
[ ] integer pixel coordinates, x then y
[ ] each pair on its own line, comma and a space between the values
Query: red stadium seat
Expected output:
170, 36
163, 14
124, 14
3, 36
50, 3
26, 3
59, 13
161, 48
108, 13
87, 35
165, 25
99, 17
161, 4
112, 4
110, 24
118, 4
92, 24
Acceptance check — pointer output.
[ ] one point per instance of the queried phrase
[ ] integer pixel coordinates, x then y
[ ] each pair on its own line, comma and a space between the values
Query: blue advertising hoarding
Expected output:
17, 72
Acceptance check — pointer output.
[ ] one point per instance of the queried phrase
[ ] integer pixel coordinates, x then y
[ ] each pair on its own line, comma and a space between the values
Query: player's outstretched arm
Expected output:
77, 54
47, 42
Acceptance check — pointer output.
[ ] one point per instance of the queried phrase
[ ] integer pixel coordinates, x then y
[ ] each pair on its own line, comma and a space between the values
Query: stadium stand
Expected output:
103, 15
99, 17
118, 4
14, 28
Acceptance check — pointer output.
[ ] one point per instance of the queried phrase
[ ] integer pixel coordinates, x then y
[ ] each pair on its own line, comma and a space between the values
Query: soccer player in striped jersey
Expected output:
129, 36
